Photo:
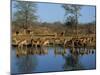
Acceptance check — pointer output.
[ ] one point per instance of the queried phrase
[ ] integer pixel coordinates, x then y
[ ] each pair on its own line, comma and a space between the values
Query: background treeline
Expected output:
57, 27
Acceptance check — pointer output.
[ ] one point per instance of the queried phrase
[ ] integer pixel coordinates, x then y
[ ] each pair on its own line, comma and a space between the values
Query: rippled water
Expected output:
52, 59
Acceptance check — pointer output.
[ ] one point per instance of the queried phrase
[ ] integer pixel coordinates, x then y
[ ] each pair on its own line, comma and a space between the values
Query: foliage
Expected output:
25, 13
72, 11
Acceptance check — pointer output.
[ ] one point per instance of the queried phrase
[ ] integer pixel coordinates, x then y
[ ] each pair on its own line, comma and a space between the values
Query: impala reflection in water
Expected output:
47, 59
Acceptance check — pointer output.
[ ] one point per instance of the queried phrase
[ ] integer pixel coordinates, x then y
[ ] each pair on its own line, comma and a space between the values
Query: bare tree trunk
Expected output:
76, 25
25, 24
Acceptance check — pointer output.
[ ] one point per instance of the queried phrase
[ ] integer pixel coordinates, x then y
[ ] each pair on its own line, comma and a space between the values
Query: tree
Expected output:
25, 13
70, 21
73, 10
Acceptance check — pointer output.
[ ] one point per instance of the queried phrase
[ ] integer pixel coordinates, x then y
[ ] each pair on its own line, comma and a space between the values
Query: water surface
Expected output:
52, 59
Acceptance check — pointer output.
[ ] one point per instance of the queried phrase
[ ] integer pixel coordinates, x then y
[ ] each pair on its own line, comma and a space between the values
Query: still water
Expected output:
52, 59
